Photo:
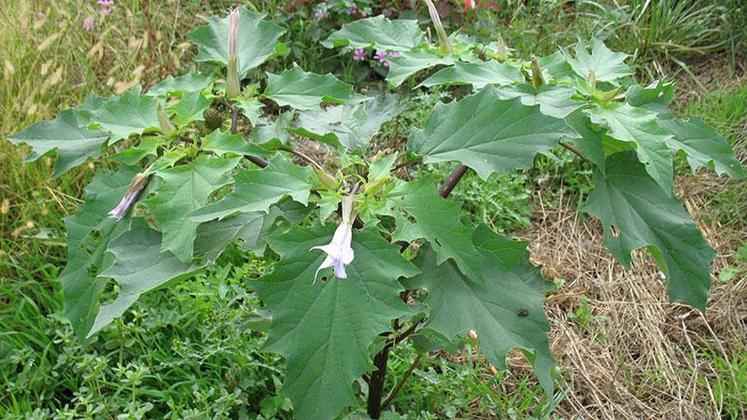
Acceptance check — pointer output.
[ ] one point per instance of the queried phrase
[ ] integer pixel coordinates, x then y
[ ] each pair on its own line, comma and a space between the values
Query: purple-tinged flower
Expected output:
359, 54
353, 9
106, 6
89, 23
41, 17
130, 196
319, 14
339, 253
393, 54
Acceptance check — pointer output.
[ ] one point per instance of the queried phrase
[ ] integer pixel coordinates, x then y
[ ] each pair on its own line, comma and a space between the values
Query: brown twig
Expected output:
407, 163
573, 149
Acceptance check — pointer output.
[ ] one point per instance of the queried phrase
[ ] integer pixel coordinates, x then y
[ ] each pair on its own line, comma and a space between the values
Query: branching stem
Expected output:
573, 149
453, 180
401, 382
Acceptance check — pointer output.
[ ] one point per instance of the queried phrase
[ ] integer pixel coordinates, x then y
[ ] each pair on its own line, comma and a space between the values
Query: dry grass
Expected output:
638, 356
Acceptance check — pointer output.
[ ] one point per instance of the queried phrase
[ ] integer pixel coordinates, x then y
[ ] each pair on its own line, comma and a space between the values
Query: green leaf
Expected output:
352, 126
655, 97
305, 90
703, 146
607, 66
184, 189
556, 67
256, 42
478, 74
411, 62
128, 114
140, 265
643, 216
250, 107
381, 167
377, 32
73, 144
148, 146
221, 143
553, 100
267, 132
453, 240
190, 108
589, 141
641, 127
324, 330
486, 133
190, 82
88, 234
257, 189
503, 306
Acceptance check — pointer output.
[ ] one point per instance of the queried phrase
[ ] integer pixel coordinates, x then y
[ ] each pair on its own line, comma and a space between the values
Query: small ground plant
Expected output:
369, 255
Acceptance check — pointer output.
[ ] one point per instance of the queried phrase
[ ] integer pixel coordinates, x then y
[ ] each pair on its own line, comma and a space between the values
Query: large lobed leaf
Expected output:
439, 221
478, 74
607, 66
257, 39
324, 330
128, 114
257, 189
139, 264
184, 189
487, 133
89, 232
352, 126
73, 144
411, 62
305, 90
637, 213
503, 305
377, 32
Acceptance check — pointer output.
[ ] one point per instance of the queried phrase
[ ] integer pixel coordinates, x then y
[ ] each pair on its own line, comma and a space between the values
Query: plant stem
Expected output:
376, 379
376, 383
573, 149
234, 119
401, 382
452, 180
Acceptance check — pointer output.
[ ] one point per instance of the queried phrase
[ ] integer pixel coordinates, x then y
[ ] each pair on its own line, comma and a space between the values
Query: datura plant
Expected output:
369, 255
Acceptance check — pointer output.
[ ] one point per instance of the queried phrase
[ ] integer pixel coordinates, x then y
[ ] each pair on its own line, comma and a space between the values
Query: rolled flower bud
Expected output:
130, 196
443, 39
233, 86
537, 79
167, 127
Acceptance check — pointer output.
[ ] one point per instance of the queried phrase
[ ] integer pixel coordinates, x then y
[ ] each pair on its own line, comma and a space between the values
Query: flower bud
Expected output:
130, 196
537, 79
233, 86
167, 127
326, 178
443, 39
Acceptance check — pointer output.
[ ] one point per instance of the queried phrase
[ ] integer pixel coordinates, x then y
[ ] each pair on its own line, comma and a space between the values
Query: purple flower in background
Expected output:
381, 57
130, 196
353, 9
339, 252
41, 17
89, 23
393, 54
359, 54
319, 14
106, 6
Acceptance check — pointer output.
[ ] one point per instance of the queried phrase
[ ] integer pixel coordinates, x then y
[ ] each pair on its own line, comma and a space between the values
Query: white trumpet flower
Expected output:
339, 253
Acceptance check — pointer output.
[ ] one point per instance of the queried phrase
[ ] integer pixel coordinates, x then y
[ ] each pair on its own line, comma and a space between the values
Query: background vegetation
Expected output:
191, 351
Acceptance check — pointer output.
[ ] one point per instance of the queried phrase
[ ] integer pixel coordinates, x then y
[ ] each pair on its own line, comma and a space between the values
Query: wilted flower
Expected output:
233, 85
89, 23
359, 54
339, 253
130, 196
